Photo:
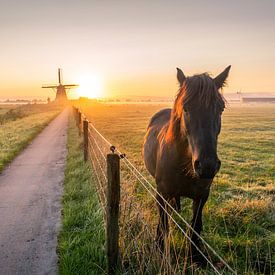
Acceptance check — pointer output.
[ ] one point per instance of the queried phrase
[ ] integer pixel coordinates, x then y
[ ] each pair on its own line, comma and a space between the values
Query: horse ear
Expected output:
180, 76
220, 80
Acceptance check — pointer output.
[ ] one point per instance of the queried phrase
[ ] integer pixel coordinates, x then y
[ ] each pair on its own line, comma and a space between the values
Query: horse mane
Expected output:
198, 91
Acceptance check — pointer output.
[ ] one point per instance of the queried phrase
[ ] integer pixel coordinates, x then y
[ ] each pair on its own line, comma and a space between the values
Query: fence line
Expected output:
101, 190
144, 182
104, 175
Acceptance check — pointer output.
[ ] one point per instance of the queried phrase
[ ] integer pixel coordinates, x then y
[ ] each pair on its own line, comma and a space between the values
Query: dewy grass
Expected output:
81, 242
16, 135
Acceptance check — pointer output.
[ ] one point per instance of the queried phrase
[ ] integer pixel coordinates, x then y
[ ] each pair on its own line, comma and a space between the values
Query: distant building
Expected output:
247, 99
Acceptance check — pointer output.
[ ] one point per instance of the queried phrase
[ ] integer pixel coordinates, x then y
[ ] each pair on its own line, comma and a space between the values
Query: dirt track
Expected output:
30, 194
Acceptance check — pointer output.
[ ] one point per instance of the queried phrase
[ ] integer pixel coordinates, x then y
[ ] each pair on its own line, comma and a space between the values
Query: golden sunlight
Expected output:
90, 86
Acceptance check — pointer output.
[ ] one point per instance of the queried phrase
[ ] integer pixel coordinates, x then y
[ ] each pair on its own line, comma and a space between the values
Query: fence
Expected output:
127, 227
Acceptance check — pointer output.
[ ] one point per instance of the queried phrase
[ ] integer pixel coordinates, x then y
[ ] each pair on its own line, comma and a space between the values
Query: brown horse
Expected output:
180, 148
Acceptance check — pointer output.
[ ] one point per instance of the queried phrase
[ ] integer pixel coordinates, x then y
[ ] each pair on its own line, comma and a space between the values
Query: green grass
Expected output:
10, 114
81, 242
239, 219
14, 112
5, 108
16, 133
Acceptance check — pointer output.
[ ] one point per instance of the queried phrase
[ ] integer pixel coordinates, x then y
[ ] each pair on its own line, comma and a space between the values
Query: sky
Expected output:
132, 48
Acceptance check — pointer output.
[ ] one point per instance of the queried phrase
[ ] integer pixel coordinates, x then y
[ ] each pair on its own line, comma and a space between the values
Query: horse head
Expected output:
199, 106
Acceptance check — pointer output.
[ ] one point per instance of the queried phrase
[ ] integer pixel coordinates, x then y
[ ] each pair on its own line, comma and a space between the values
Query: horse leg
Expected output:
177, 203
163, 226
197, 226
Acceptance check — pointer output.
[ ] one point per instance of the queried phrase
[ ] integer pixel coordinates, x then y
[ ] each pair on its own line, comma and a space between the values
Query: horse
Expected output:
180, 149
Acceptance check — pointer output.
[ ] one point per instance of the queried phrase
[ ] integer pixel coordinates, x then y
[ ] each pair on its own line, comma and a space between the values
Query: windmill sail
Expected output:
59, 76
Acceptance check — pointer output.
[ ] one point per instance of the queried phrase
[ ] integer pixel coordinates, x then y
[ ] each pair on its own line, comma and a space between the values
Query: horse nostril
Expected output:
197, 165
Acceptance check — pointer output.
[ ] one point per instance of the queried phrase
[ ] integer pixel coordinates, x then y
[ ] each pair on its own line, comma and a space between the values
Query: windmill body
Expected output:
60, 89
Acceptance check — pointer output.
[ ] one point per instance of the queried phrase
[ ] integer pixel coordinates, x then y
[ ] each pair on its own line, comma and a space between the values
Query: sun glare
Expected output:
90, 86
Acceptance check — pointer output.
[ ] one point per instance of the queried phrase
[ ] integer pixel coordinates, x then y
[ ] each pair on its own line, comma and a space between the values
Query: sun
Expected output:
90, 86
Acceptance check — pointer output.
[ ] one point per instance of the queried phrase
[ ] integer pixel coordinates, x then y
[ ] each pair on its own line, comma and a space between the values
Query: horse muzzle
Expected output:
206, 168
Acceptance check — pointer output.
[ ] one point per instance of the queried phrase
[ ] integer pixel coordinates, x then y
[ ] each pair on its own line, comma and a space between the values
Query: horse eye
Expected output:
220, 111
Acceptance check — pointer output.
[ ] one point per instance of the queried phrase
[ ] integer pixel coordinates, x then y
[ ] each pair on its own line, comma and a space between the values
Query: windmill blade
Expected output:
60, 77
49, 86
70, 85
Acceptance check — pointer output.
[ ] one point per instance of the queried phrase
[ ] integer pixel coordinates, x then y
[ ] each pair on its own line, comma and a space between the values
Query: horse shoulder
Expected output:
167, 168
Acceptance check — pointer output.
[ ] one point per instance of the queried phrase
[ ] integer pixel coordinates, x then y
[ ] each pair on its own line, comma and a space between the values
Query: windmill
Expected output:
60, 89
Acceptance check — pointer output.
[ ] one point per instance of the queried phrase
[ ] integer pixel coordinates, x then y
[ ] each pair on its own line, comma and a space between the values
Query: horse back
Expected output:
151, 141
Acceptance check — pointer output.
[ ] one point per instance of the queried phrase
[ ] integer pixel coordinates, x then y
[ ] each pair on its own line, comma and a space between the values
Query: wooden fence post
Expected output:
79, 122
85, 139
76, 116
113, 199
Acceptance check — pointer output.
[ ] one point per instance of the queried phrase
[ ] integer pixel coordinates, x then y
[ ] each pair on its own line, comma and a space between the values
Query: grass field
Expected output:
81, 240
5, 108
239, 219
19, 125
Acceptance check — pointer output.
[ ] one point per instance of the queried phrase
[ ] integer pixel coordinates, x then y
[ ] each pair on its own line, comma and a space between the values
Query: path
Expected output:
30, 200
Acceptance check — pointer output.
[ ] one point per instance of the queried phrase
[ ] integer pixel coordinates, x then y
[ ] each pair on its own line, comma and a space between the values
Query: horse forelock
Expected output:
200, 91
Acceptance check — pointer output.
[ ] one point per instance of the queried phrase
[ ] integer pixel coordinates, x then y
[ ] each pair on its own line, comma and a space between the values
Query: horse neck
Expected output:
174, 134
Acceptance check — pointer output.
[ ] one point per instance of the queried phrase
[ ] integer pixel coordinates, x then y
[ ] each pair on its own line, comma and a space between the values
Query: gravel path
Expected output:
30, 203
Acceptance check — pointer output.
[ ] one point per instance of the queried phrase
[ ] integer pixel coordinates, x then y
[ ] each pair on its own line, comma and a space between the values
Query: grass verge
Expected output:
16, 135
81, 240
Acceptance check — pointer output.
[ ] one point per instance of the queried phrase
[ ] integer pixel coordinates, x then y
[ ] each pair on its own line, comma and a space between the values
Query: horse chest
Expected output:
175, 183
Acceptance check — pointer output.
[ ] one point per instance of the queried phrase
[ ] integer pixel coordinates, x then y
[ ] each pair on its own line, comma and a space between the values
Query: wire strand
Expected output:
102, 154
100, 199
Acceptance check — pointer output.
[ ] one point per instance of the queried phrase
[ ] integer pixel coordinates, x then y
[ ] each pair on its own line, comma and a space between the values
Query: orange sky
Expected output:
135, 46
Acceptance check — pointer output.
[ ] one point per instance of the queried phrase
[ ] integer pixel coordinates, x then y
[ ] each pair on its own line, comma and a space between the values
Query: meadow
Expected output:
19, 124
239, 217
